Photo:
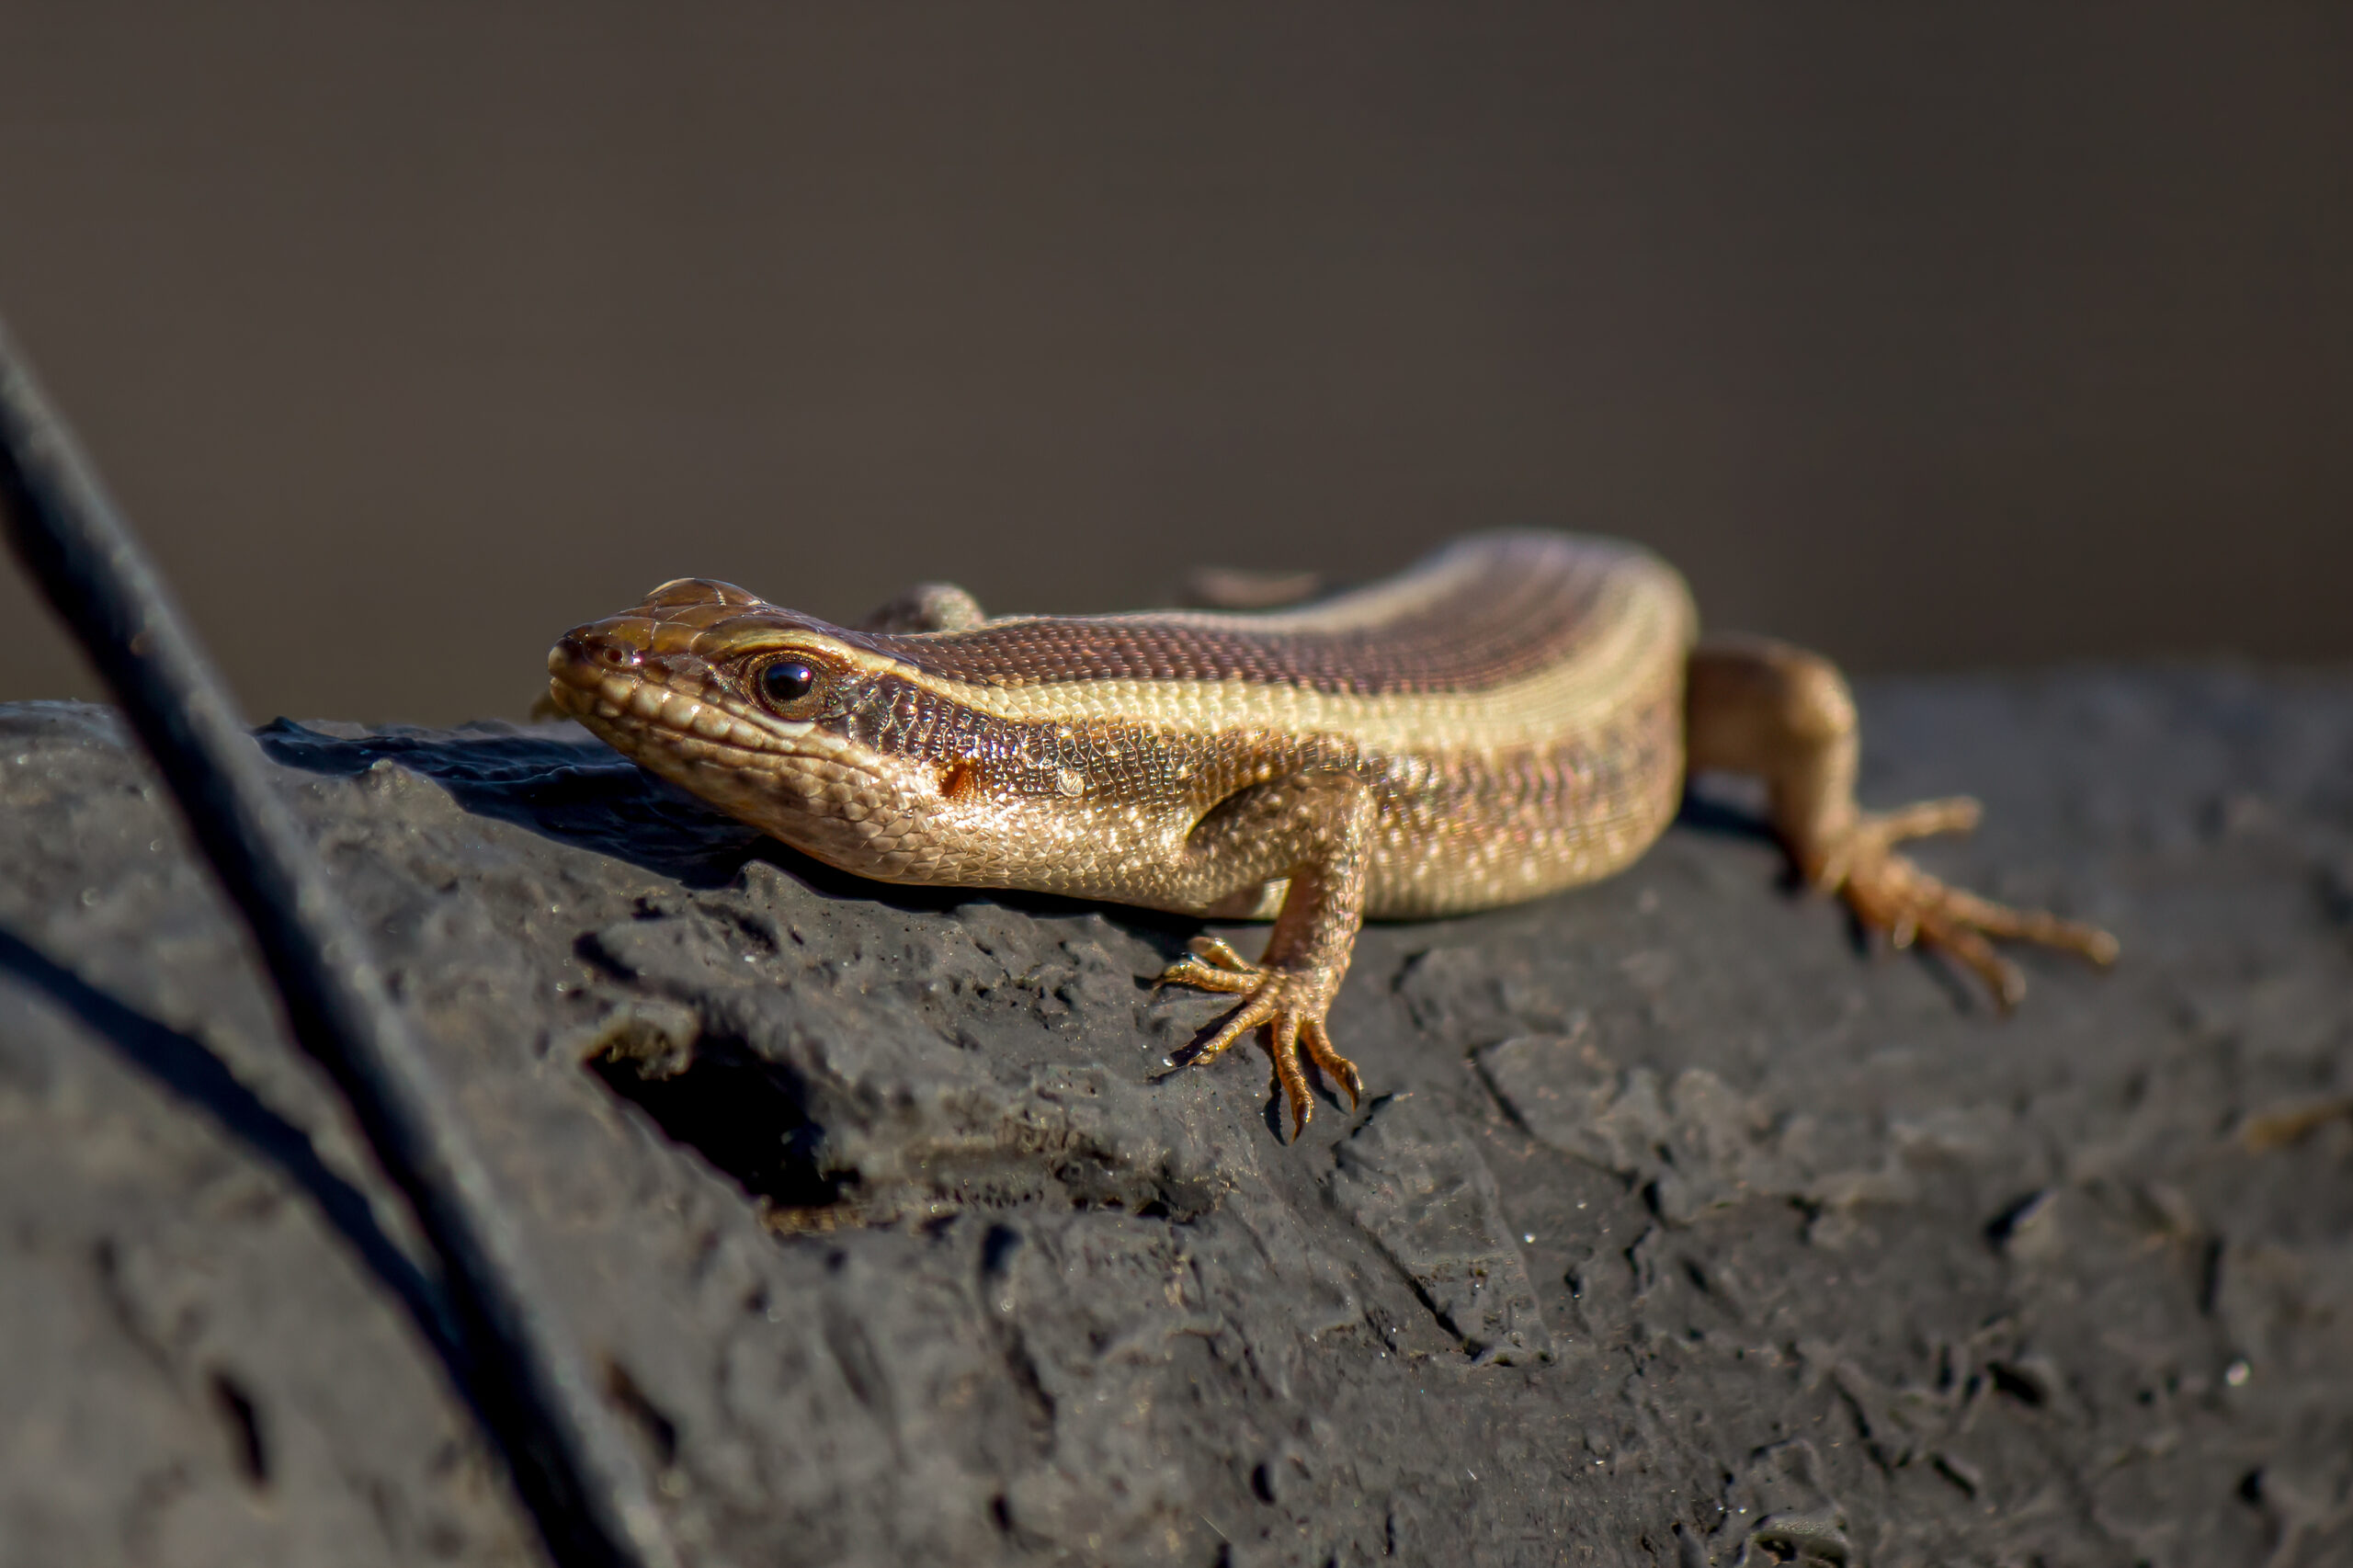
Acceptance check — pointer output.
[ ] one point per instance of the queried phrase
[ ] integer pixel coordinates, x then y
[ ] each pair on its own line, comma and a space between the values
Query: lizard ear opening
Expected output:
962, 779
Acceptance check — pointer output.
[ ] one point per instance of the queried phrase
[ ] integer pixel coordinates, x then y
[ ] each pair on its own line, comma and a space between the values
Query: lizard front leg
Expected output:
1756, 705
1316, 830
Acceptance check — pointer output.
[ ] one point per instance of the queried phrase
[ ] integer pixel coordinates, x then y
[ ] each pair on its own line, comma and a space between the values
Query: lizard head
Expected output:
767, 713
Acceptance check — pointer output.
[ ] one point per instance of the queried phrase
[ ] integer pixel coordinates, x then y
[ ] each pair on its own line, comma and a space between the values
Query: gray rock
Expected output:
1677, 1230
1414, 1181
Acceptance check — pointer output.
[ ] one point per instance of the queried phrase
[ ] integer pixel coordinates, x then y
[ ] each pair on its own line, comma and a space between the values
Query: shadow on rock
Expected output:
559, 786
183, 1067
552, 779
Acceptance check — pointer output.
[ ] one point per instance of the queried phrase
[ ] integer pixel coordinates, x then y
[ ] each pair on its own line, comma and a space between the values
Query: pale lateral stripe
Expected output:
1648, 621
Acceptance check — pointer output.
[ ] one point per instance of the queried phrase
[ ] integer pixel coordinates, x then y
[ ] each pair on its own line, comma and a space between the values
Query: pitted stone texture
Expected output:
896, 1241
1416, 1185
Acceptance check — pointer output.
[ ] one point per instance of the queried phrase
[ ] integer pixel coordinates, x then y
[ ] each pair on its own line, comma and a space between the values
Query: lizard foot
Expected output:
1288, 1005
1889, 894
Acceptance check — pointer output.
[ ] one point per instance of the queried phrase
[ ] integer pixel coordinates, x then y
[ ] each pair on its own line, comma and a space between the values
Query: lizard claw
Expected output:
1888, 892
1289, 1005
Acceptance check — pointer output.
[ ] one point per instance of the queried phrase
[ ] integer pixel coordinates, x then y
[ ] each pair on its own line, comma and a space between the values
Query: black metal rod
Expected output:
526, 1374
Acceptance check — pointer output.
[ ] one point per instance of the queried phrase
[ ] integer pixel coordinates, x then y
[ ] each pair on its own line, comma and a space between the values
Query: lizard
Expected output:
1514, 715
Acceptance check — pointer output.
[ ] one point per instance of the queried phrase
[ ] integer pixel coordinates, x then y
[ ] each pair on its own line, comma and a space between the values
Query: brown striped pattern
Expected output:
1481, 614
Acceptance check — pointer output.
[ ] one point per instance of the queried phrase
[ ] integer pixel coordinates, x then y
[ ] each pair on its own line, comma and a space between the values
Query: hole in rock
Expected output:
740, 1113
2016, 1382
660, 1433
242, 1420
1262, 1484
2003, 1226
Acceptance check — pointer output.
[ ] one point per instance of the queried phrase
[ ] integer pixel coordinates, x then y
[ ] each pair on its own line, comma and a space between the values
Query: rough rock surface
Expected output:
1679, 1231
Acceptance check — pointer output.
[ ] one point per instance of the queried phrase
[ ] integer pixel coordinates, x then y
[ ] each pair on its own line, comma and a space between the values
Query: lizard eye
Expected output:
788, 683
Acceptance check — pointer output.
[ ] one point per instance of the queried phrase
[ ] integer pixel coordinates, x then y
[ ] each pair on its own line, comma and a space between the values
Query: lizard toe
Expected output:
1287, 1008
1213, 965
1193, 973
1890, 893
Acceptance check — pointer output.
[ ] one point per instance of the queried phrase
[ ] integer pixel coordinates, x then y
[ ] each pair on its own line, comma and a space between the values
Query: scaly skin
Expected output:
1512, 717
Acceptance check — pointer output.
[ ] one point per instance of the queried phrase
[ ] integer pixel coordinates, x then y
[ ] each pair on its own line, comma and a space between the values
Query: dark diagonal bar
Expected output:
525, 1374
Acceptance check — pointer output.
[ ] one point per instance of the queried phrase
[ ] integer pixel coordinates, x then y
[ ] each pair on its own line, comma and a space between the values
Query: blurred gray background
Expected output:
1932, 335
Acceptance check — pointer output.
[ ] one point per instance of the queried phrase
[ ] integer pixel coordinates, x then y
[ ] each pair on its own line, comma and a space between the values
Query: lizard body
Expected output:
1513, 716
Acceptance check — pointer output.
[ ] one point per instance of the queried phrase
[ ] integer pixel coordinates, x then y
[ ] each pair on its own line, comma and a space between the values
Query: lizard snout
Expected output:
586, 654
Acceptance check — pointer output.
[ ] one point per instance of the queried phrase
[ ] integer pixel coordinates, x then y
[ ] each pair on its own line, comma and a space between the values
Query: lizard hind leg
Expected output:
1760, 707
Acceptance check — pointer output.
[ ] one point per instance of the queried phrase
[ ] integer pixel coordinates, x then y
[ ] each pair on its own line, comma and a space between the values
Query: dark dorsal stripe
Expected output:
1498, 607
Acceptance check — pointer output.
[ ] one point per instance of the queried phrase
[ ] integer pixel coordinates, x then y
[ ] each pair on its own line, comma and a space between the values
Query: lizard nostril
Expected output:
582, 650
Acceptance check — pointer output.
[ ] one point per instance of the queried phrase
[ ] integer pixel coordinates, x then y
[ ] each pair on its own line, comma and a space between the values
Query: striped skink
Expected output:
1513, 716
